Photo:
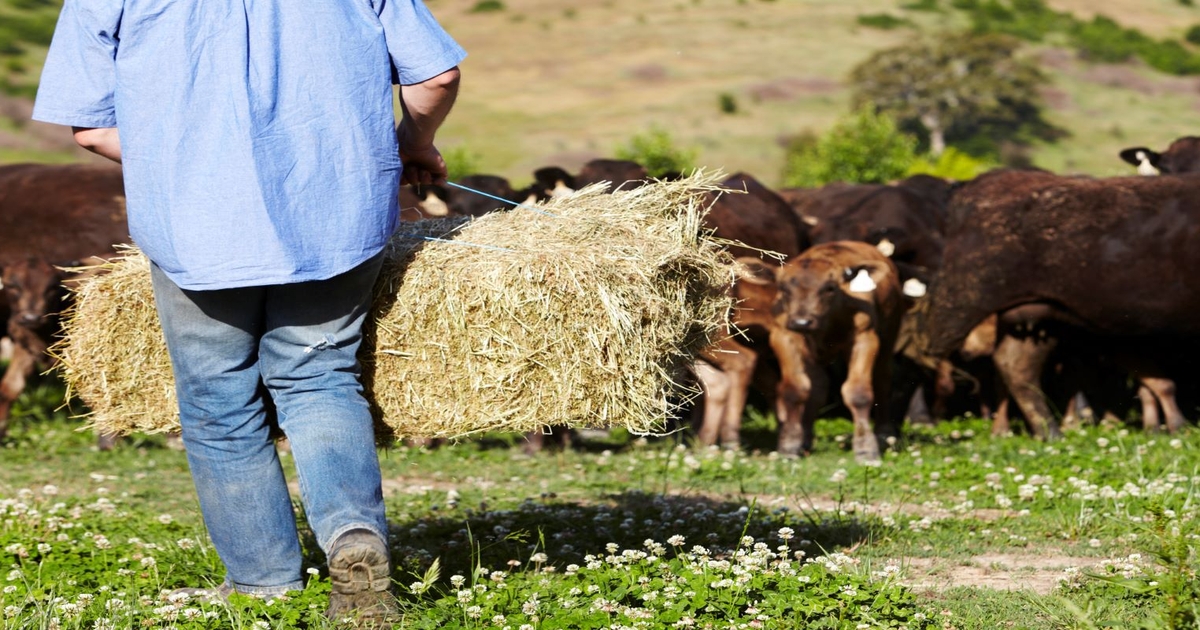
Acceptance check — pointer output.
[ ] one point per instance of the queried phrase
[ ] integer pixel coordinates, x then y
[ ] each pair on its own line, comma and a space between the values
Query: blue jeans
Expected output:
236, 354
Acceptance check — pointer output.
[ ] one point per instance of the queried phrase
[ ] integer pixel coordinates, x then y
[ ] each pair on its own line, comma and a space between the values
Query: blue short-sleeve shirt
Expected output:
257, 136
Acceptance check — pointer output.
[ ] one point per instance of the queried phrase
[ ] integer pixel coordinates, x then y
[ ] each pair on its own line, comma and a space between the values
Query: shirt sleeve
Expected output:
79, 77
419, 47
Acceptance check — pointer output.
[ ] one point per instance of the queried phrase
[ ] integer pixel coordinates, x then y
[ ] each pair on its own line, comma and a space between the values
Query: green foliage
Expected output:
885, 21
727, 103
865, 147
460, 162
487, 6
922, 5
656, 151
1193, 34
1100, 39
951, 164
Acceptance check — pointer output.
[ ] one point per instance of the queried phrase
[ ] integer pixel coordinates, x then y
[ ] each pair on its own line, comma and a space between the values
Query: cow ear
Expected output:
754, 270
864, 278
1136, 155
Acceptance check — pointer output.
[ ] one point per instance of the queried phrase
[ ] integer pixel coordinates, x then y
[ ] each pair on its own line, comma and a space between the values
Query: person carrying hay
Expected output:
262, 164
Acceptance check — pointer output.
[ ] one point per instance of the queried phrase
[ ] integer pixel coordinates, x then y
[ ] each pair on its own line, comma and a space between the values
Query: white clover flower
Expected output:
457, 580
49, 490
539, 558
1176, 443
838, 476
676, 540
1095, 542
1102, 442
786, 533
166, 519
474, 612
149, 561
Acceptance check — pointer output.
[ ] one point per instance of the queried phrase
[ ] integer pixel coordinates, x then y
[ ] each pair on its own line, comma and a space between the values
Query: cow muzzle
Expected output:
29, 320
801, 324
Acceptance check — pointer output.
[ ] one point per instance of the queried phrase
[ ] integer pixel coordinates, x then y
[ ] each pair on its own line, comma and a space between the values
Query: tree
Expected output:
957, 88
865, 147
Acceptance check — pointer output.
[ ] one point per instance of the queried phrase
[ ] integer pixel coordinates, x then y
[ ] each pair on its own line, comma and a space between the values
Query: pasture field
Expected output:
955, 529
554, 82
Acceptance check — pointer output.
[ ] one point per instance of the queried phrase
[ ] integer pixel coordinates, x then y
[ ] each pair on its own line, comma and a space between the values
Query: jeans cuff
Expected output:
263, 592
327, 545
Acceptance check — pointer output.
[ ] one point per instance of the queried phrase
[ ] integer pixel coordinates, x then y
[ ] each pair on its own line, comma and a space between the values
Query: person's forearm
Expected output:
103, 141
426, 106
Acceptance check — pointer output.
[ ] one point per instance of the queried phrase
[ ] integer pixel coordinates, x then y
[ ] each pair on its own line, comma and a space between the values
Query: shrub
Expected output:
922, 5
727, 102
1193, 34
883, 21
487, 6
865, 147
460, 162
656, 151
951, 164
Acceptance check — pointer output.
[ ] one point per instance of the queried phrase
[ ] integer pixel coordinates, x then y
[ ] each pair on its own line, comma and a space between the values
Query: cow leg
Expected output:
858, 394
1150, 417
795, 405
918, 411
1164, 390
534, 441
740, 370
1020, 361
943, 388
13, 383
715, 384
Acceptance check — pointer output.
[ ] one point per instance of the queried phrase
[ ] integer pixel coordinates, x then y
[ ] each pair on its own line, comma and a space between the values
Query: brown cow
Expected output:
621, 174
835, 302
1183, 156
49, 215
1097, 262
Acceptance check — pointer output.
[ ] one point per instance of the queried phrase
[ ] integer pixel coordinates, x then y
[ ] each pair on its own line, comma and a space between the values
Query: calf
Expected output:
33, 290
49, 215
835, 302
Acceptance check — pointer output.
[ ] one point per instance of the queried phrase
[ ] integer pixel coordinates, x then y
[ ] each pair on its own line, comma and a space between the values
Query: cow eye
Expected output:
848, 274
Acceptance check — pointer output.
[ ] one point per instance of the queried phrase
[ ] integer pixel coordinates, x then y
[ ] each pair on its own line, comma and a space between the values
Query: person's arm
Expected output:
103, 141
426, 105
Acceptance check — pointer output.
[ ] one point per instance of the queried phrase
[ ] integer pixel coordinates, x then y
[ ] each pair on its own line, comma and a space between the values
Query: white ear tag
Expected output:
886, 247
862, 283
914, 288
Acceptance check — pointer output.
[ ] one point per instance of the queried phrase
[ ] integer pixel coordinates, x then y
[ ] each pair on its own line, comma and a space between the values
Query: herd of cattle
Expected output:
921, 297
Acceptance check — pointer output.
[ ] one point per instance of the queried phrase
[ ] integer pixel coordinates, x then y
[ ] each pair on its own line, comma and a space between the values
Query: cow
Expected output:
1090, 263
838, 301
50, 215
1183, 156
620, 174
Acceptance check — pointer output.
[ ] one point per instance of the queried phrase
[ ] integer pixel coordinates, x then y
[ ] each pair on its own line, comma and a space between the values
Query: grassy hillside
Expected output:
555, 82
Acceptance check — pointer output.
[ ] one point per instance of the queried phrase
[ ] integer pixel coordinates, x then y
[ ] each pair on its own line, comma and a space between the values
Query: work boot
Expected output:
360, 570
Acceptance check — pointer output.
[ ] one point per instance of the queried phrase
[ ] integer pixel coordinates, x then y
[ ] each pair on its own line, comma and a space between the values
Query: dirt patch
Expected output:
1006, 572
792, 88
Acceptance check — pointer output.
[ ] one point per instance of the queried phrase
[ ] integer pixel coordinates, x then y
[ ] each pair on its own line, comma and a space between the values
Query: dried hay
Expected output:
511, 321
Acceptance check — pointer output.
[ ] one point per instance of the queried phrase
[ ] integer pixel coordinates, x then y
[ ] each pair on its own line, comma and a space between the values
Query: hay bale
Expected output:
511, 321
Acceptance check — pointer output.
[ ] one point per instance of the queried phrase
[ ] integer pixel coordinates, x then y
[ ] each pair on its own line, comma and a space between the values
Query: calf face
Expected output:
814, 293
33, 290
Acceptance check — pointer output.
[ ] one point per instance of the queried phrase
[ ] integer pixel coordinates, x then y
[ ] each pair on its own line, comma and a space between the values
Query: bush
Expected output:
883, 21
727, 102
487, 6
865, 147
951, 164
656, 151
1193, 34
922, 5
460, 162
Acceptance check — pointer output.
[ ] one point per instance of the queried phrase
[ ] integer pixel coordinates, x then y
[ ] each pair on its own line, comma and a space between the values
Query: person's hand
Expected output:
423, 164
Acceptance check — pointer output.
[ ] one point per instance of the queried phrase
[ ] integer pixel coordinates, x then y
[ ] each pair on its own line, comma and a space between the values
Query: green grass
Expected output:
952, 521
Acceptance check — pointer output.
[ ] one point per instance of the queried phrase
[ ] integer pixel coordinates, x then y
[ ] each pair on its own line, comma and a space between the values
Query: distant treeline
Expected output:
1100, 39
